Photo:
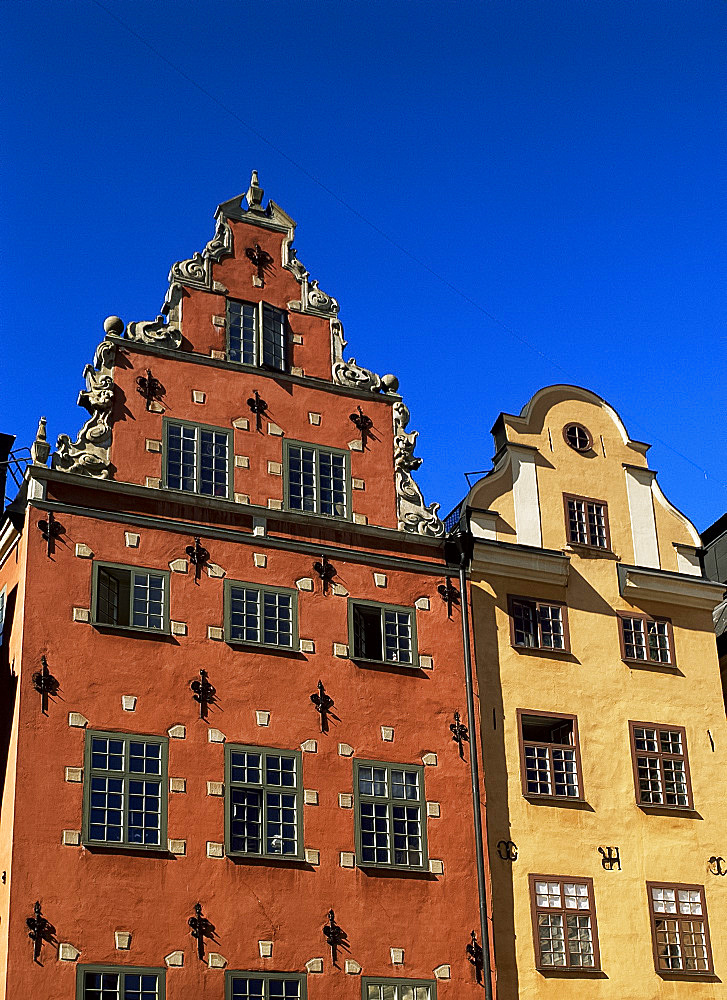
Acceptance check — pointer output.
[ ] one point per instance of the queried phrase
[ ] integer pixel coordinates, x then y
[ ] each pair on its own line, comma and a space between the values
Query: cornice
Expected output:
637, 583
520, 562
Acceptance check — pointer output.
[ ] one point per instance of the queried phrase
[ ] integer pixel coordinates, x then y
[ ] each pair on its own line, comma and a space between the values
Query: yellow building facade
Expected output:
603, 729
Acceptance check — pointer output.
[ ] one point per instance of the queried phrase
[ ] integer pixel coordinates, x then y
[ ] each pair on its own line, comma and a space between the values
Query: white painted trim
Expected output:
659, 494
641, 512
688, 559
483, 525
513, 562
669, 588
525, 496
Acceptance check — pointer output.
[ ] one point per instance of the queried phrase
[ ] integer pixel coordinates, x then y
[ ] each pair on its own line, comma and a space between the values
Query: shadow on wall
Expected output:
501, 846
8, 689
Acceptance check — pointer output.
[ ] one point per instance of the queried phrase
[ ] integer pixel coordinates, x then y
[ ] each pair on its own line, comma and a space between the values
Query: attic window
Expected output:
578, 437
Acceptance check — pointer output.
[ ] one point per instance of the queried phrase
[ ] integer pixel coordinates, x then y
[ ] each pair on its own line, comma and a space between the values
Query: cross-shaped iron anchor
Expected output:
204, 693
324, 703
475, 956
258, 407
200, 927
37, 930
326, 571
460, 734
149, 387
334, 935
44, 683
51, 529
198, 556
260, 258
363, 424
449, 594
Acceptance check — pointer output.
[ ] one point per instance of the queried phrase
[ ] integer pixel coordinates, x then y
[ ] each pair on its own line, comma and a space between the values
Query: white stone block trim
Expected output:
345, 800
122, 940
641, 513
174, 960
525, 496
67, 952
177, 733
310, 796
262, 718
266, 949
215, 850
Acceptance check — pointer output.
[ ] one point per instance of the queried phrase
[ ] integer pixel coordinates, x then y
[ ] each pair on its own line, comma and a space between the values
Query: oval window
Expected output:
577, 437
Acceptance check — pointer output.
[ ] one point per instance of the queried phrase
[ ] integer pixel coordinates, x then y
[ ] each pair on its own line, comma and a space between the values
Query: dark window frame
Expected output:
654, 916
523, 713
168, 422
259, 363
99, 564
263, 855
263, 588
232, 974
367, 981
358, 798
126, 775
567, 969
589, 544
536, 604
581, 427
382, 608
122, 971
648, 661
659, 727
289, 443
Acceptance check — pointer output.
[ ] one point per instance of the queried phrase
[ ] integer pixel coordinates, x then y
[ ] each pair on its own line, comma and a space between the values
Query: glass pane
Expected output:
141, 986
577, 524
537, 770
242, 338
550, 937
281, 833
565, 772
106, 812
277, 619
659, 650
397, 637
245, 767
145, 809
245, 614
302, 493
580, 941
332, 484
101, 986
374, 820
597, 525
273, 348
213, 478
182, 458
247, 988
245, 820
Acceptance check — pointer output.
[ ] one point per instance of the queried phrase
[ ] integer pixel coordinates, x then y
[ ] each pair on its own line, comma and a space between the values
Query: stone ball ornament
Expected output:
113, 324
389, 383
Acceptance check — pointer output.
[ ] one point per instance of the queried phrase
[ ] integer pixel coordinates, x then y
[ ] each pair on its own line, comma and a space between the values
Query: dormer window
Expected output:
256, 335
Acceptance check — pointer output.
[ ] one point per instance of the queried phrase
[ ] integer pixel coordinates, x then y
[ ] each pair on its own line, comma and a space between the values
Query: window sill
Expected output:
558, 970
396, 664
544, 651
667, 810
326, 518
633, 661
267, 860
372, 868
589, 550
557, 800
136, 630
677, 975
103, 846
246, 644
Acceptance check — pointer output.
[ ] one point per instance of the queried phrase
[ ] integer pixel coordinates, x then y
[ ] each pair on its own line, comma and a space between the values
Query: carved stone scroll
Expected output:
88, 455
414, 515
155, 333
197, 271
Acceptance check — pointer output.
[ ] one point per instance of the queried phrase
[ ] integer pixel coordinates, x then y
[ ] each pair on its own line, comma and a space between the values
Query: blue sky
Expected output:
556, 165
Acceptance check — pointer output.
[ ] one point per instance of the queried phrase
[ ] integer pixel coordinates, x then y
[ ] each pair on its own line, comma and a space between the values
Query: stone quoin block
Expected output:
305, 583
214, 571
154, 482
77, 720
340, 649
387, 734
178, 628
128, 702
433, 810
360, 519
380, 579
397, 956
215, 788
215, 632
122, 940
178, 847
216, 961
352, 967
275, 430
422, 604
314, 419
436, 867
242, 462
132, 539
260, 560
345, 750
215, 850
339, 590
67, 952
355, 445
348, 860
345, 800
83, 551
242, 498
310, 796
81, 615
215, 736
151, 444
307, 646
443, 972
241, 424
74, 774
266, 949
426, 662
177, 784
309, 746
174, 960
177, 733
179, 566
312, 857
429, 759
358, 484
314, 965
71, 838
275, 504
198, 396
294, 370
275, 468
262, 718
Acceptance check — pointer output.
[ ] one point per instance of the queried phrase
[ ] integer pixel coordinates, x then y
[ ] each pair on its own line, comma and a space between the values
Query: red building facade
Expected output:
230, 675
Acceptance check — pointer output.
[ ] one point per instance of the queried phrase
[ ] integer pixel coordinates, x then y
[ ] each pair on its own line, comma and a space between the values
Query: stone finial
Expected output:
255, 194
115, 325
40, 449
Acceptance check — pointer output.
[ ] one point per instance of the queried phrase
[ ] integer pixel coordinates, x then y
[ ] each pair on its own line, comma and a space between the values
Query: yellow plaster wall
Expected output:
605, 693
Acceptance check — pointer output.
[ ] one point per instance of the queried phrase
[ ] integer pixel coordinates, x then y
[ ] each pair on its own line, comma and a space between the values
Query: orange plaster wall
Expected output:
88, 894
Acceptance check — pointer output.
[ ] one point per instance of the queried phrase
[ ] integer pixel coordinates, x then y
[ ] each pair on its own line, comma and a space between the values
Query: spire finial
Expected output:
255, 194
40, 449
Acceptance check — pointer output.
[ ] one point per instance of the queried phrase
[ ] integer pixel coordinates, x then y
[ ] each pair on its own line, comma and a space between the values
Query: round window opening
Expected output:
577, 437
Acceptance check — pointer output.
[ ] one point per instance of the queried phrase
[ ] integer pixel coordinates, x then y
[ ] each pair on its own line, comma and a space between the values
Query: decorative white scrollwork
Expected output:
155, 333
414, 515
197, 271
353, 376
88, 455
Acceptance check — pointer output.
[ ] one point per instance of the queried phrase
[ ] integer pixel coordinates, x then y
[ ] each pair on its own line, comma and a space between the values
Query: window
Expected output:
586, 522
679, 928
108, 982
549, 753
130, 597
564, 923
197, 459
390, 831
577, 437
316, 480
647, 639
538, 624
382, 633
256, 334
397, 989
661, 767
125, 790
261, 616
265, 986
263, 808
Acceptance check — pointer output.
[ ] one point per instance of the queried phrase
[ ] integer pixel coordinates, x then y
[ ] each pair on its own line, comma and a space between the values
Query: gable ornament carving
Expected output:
196, 272
413, 513
88, 455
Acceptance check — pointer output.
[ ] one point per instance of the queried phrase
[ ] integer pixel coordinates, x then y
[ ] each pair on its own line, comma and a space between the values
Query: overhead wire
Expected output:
374, 227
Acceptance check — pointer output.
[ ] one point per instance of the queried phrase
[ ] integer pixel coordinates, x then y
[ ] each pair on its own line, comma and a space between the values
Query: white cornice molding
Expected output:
637, 583
9, 537
520, 562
